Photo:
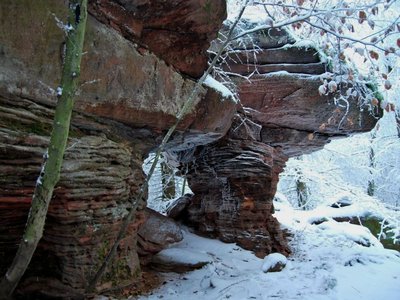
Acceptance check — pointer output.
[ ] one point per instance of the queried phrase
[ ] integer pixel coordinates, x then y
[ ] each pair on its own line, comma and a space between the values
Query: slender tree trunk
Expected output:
50, 174
167, 182
371, 182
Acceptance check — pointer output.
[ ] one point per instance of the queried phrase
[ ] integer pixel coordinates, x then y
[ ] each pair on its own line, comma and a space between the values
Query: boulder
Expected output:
178, 208
274, 262
179, 260
157, 233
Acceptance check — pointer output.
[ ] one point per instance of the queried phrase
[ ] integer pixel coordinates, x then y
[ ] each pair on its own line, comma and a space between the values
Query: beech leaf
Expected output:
362, 16
374, 102
300, 2
374, 55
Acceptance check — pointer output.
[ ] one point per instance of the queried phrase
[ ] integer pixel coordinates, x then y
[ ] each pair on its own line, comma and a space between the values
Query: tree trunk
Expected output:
167, 182
371, 182
50, 173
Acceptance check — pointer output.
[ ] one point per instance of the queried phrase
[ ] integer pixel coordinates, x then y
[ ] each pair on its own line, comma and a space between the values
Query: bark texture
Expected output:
53, 157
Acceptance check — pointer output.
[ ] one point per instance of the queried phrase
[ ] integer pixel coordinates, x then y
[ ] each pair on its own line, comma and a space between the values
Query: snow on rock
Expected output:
359, 234
179, 260
342, 202
274, 262
219, 87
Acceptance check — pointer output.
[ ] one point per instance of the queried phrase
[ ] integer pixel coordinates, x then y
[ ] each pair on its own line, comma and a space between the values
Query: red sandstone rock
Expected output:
234, 182
156, 234
247, 68
234, 179
127, 98
178, 31
132, 96
117, 81
97, 180
293, 114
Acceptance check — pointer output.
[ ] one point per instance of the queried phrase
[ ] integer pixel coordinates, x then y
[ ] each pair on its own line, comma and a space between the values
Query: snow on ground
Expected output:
329, 261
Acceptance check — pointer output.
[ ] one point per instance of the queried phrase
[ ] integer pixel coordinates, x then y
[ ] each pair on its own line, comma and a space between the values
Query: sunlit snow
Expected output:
328, 262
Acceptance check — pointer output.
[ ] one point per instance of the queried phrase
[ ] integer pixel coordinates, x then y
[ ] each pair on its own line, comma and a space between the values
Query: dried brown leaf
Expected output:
362, 16
374, 55
300, 2
374, 102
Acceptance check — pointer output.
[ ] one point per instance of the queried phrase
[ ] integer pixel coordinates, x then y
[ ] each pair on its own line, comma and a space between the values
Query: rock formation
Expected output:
156, 234
178, 31
135, 77
234, 182
127, 98
234, 179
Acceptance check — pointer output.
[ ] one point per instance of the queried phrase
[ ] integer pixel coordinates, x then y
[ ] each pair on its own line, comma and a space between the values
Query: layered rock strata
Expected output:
234, 182
283, 115
127, 98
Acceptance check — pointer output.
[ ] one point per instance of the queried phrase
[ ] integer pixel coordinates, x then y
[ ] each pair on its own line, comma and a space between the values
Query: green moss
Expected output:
374, 88
118, 271
208, 7
374, 225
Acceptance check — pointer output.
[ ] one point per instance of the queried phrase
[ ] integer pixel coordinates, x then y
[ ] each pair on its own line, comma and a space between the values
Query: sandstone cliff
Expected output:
140, 64
128, 97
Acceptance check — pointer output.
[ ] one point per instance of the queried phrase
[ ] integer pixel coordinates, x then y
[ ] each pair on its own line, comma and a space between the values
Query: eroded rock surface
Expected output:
295, 117
127, 98
98, 178
178, 31
234, 179
129, 95
156, 234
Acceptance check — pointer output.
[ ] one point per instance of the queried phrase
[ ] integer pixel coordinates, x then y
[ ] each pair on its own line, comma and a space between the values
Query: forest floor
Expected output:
331, 260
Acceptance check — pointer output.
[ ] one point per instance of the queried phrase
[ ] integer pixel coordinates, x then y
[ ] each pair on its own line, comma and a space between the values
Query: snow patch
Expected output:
327, 262
274, 262
183, 256
219, 87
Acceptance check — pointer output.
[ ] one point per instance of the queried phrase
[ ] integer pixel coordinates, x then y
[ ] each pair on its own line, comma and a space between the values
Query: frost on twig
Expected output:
64, 27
